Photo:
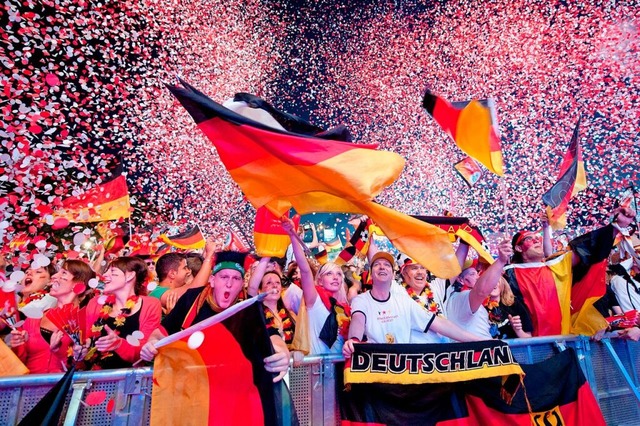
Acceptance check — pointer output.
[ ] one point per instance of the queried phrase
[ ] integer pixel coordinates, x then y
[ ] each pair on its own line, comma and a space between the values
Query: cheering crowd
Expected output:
109, 313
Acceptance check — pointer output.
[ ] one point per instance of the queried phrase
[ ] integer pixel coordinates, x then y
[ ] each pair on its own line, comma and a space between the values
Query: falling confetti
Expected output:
82, 88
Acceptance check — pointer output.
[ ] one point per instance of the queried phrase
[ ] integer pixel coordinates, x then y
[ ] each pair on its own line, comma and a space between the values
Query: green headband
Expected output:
228, 265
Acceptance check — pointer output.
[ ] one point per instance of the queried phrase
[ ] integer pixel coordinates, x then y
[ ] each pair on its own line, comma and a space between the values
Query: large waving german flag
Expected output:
571, 180
280, 170
471, 125
107, 201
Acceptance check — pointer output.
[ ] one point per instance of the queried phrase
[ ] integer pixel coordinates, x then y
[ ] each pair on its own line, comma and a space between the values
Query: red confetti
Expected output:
96, 398
111, 405
60, 223
52, 80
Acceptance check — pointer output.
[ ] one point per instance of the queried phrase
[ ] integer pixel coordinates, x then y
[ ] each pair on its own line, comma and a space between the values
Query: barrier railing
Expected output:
611, 366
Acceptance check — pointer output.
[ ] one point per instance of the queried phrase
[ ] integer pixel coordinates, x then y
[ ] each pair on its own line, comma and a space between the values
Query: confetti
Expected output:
95, 398
195, 340
82, 88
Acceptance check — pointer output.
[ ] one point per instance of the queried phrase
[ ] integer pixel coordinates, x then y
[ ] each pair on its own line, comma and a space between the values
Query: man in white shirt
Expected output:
385, 316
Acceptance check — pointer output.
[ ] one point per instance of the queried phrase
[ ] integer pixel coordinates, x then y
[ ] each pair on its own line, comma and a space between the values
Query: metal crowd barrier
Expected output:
612, 367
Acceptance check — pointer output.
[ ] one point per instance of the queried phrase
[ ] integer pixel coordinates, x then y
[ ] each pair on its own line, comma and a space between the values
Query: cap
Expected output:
383, 255
229, 260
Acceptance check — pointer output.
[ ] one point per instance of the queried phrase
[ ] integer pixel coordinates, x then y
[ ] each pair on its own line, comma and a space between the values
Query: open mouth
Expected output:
226, 294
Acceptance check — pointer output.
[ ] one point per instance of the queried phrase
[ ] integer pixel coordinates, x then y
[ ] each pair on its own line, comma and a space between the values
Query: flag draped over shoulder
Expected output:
571, 180
107, 201
556, 392
192, 238
221, 382
589, 279
473, 127
280, 170
545, 288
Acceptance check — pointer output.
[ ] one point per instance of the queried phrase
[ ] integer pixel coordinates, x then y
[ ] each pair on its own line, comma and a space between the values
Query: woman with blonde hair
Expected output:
325, 298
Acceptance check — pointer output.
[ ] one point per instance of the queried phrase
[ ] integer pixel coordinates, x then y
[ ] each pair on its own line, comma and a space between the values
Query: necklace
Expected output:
282, 322
36, 295
430, 305
495, 316
93, 358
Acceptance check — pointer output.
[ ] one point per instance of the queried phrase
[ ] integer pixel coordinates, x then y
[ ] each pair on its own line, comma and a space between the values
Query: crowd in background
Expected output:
109, 311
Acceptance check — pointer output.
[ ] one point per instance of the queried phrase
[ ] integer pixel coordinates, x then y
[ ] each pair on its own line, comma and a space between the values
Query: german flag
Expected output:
459, 227
545, 288
190, 239
345, 255
280, 170
107, 201
471, 125
571, 180
269, 237
557, 393
589, 279
221, 382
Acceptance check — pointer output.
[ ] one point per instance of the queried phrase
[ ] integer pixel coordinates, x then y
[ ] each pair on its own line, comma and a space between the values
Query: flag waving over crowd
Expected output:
107, 201
269, 237
280, 170
190, 239
571, 180
471, 125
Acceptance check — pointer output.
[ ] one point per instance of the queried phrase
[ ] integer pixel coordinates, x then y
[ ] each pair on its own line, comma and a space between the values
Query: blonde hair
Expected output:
341, 295
506, 295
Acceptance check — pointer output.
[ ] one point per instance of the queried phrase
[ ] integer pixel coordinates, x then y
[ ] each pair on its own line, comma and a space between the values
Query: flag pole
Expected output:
210, 321
504, 207
203, 235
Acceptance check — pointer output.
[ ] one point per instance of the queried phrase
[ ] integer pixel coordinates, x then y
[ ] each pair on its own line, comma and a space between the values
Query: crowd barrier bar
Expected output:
611, 366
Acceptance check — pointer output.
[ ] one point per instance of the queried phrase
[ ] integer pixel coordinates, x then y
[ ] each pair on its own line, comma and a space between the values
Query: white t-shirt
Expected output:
391, 320
419, 336
627, 296
458, 311
317, 315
